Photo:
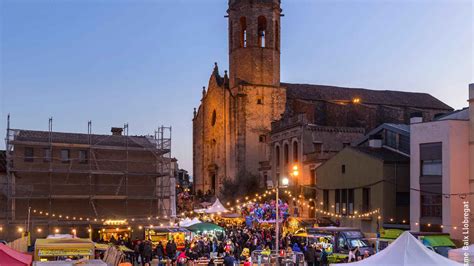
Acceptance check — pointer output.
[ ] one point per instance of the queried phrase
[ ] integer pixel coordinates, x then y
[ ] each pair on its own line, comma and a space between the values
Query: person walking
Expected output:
310, 255
137, 252
160, 252
171, 250
228, 260
147, 252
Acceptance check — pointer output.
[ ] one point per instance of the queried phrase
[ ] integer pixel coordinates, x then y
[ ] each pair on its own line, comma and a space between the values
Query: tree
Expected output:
244, 184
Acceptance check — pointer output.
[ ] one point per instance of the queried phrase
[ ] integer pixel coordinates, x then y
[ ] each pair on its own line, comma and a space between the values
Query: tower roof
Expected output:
252, 2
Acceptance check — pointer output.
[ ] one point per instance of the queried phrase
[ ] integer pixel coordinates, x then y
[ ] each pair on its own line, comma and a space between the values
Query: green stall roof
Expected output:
201, 227
390, 233
438, 241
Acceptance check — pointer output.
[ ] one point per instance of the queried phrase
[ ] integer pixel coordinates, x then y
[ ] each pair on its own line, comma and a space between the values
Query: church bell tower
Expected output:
254, 42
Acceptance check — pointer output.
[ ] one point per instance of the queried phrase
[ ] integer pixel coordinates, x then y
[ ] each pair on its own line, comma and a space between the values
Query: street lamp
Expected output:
284, 183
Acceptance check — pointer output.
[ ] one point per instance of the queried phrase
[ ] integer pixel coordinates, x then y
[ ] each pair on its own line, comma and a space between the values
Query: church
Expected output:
243, 125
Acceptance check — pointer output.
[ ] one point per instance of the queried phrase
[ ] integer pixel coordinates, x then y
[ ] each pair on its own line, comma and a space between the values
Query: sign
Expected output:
115, 222
65, 252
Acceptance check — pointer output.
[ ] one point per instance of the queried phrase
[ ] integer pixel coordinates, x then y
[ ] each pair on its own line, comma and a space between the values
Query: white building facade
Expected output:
442, 172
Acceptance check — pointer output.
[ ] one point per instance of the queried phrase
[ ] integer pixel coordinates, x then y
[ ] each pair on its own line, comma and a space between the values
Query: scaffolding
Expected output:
89, 175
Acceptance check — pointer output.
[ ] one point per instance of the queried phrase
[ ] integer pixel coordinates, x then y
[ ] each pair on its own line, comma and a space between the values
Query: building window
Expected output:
213, 183
344, 201
403, 198
365, 199
404, 144
350, 201
47, 154
431, 167
277, 156
29, 154
337, 200
391, 139
277, 36
431, 159
262, 27
313, 177
213, 118
326, 199
65, 156
318, 147
83, 156
343, 168
231, 36
431, 180
259, 101
243, 32
295, 151
431, 205
262, 138
286, 153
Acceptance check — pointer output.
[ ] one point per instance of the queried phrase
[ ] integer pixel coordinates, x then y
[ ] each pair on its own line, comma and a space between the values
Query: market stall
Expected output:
406, 250
62, 249
164, 234
70, 263
230, 219
206, 228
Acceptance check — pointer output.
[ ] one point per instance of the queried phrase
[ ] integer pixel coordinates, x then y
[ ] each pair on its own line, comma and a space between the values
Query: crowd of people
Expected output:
258, 212
235, 246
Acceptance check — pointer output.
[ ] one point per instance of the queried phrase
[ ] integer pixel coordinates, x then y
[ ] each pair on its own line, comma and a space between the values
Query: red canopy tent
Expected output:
11, 257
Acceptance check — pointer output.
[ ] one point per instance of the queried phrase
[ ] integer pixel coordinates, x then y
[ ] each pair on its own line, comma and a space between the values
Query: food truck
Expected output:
57, 249
336, 240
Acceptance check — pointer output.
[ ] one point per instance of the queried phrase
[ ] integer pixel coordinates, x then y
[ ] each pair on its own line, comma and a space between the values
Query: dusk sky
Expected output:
145, 62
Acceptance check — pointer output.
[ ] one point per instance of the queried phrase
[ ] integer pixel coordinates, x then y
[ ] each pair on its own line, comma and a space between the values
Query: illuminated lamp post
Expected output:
284, 183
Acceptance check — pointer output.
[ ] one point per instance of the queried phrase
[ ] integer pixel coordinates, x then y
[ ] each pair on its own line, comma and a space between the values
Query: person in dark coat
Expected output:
171, 249
147, 252
228, 260
310, 255
160, 251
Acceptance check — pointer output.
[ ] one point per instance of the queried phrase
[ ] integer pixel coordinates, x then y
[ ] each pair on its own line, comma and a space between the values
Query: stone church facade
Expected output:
232, 128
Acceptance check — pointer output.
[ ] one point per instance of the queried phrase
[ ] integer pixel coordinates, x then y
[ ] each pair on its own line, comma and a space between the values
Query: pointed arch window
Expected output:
231, 35
295, 151
262, 28
277, 36
277, 156
243, 32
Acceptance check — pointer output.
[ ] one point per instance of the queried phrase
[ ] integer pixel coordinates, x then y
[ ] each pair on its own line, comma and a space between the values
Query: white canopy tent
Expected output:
188, 222
216, 207
459, 254
406, 250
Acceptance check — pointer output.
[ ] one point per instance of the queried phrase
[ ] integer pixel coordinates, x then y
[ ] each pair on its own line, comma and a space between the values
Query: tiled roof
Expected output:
81, 138
382, 153
384, 97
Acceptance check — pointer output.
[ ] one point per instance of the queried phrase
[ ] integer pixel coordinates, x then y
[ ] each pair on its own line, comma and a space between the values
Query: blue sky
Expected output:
145, 61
